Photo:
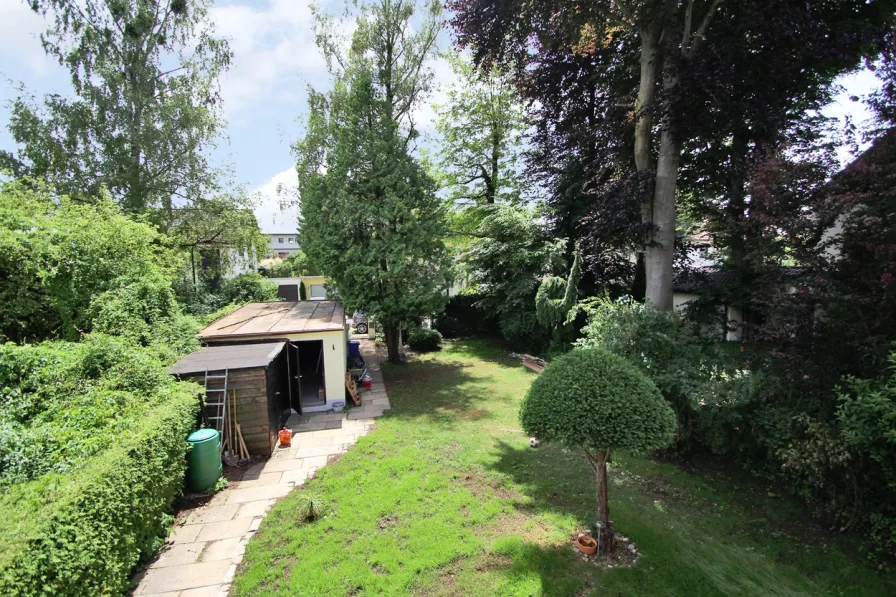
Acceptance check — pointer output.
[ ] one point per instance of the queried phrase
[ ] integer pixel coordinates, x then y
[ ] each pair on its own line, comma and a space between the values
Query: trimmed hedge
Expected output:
82, 534
423, 340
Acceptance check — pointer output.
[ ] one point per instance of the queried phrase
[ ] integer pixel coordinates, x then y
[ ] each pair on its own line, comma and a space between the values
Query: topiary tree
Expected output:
593, 400
554, 302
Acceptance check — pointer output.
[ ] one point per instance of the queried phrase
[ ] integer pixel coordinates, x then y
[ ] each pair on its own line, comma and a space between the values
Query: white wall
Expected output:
275, 246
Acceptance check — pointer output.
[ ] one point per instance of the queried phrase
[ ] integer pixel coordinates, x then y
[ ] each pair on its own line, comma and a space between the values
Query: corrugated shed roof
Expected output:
267, 319
231, 356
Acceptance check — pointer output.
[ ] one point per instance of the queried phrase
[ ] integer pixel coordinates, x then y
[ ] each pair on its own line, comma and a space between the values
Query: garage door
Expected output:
318, 291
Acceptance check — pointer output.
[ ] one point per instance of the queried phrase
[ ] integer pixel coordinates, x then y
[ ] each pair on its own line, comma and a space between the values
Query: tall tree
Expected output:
145, 106
370, 218
669, 40
481, 126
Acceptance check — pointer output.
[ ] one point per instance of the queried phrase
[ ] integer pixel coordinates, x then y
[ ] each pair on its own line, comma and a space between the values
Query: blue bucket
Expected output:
354, 348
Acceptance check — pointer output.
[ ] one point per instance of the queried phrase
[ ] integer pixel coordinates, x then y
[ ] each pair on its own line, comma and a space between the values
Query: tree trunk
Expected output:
661, 250
644, 105
603, 505
391, 334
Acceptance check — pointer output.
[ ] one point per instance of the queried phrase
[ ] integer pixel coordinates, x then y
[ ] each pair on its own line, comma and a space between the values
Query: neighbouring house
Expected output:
315, 336
290, 289
282, 244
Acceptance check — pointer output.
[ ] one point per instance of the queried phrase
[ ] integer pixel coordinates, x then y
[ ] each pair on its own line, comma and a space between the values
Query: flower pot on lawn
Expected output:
586, 544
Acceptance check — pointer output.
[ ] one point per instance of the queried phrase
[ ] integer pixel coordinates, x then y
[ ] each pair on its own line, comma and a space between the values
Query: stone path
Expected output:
202, 555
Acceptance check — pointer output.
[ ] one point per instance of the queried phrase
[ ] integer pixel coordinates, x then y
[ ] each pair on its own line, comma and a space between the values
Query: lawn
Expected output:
446, 497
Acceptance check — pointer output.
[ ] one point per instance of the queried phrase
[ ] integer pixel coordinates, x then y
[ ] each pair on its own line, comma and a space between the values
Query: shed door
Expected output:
296, 376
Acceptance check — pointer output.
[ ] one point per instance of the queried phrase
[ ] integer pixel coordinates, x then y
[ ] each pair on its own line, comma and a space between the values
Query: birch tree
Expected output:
145, 105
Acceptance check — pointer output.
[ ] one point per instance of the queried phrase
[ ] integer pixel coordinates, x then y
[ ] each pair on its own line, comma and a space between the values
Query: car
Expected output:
359, 321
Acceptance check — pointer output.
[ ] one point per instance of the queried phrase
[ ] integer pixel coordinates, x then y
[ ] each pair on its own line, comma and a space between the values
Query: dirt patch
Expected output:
387, 522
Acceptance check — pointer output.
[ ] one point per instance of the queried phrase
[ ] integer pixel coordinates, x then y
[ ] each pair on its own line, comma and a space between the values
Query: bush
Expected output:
251, 287
668, 350
82, 534
593, 400
62, 403
292, 266
423, 340
57, 255
462, 317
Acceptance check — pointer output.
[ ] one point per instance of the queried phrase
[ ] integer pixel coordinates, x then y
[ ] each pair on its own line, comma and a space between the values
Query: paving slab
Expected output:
205, 514
241, 496
179, 578
266, 478
253, 509
185, 533
212, 591
222, 549
179, 554
214, 531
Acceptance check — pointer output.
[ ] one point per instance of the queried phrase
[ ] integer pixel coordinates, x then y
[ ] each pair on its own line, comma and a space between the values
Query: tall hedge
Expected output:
82, 534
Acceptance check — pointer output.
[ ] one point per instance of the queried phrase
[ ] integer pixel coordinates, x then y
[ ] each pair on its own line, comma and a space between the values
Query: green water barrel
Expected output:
204, 462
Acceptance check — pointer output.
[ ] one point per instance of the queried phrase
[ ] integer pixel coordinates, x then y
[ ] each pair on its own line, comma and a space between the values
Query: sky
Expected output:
264, 92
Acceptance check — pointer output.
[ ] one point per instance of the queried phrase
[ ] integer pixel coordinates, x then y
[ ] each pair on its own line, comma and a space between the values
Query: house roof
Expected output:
277, 318
232, 356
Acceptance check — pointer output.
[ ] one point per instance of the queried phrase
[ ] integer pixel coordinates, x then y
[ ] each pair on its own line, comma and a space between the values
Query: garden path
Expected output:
202, 554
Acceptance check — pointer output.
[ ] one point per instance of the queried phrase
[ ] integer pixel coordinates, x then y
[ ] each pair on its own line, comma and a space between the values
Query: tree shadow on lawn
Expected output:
440, 392
488, 349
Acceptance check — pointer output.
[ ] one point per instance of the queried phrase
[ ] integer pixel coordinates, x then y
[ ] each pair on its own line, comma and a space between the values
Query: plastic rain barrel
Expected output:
204, 461
354, 348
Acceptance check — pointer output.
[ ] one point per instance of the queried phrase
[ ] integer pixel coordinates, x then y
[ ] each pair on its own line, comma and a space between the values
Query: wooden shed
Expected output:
257, 379
316, 336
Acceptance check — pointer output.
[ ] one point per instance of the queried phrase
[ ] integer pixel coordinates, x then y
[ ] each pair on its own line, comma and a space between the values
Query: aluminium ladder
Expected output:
219, 405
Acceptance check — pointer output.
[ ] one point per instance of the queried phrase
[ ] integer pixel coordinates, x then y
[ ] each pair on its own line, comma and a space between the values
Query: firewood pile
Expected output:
530, 362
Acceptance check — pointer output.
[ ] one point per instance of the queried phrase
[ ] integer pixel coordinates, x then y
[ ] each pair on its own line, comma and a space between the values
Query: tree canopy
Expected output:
145, 105
370, 218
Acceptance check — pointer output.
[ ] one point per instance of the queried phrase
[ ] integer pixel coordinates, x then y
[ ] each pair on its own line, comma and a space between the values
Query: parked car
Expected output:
359, 321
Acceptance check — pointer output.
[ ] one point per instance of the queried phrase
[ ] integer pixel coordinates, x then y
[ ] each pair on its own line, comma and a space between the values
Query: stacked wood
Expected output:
531, 362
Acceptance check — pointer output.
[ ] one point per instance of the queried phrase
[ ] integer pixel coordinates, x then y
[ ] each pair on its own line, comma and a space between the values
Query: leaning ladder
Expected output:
217, 403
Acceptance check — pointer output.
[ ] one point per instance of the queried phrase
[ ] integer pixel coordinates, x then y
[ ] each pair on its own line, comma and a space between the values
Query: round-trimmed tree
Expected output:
593, 400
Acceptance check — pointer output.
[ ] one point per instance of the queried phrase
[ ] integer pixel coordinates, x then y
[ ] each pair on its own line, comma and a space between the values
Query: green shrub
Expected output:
251, 287
82, 534
667, 349
423, 339
293, 265
62, 403
462, 317
593, 400
57, 255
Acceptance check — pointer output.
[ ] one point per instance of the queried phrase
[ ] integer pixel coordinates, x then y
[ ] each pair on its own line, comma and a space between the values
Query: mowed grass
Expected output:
446, 498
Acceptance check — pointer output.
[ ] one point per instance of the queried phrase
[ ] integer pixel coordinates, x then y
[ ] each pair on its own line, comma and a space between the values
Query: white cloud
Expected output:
269, 200
271, 44
20, 28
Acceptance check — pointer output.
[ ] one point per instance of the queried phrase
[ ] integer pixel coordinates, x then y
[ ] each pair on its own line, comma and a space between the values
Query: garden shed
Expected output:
257, 383
315, 336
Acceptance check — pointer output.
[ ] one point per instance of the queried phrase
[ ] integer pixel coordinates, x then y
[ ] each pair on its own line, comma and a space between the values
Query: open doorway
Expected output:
307, 370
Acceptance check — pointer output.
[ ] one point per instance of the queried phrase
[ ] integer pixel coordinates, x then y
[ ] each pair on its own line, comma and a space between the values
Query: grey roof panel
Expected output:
233, 356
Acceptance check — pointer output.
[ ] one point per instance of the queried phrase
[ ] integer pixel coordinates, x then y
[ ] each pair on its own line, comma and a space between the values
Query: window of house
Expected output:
291, 240
280, 240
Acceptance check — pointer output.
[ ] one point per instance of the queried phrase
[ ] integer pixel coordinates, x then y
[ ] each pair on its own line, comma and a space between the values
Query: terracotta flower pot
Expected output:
586, 544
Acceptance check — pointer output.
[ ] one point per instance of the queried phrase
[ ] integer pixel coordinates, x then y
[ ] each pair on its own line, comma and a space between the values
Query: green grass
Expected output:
446, 498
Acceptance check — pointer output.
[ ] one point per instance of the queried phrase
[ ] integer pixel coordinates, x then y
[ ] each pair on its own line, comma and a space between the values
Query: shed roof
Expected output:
278, 318
231, 356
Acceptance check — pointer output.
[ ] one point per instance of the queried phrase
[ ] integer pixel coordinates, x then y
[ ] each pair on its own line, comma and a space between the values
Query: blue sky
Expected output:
264, 92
